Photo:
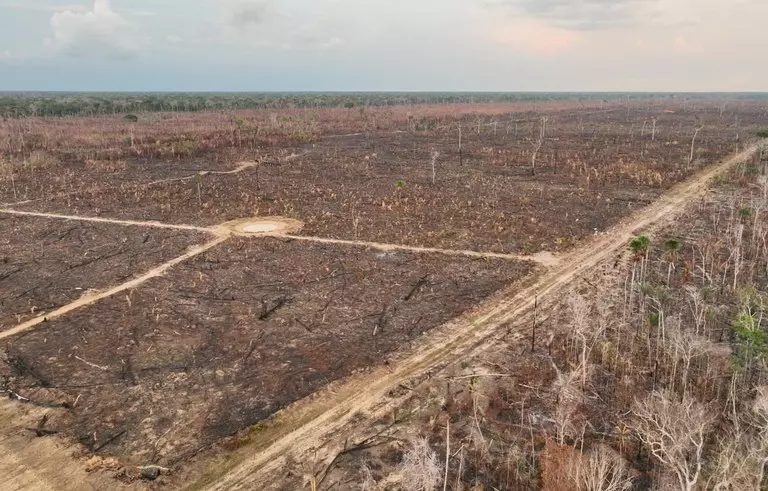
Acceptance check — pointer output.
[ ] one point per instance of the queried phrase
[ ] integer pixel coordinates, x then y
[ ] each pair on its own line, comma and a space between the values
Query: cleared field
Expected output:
592, 168
47, 263
231, 336
187, 350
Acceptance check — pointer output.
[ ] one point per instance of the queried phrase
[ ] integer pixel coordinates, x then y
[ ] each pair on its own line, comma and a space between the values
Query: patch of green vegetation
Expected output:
639, 245
672, 245
131, 118
762, 133
751, 338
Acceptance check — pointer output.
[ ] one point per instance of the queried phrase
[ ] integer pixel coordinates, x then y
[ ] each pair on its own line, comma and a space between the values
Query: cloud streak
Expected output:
582, 15
100, 33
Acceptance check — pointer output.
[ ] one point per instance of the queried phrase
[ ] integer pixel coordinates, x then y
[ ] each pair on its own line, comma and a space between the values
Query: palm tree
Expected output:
639, 247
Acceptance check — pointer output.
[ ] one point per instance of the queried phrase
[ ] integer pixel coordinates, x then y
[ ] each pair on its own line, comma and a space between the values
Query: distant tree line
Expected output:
25, 104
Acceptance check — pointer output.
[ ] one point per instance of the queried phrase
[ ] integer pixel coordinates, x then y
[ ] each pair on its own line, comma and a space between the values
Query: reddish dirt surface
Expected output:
229, 337
47, 263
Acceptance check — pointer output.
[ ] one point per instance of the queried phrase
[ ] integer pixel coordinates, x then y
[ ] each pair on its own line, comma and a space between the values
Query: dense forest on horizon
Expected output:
25, 104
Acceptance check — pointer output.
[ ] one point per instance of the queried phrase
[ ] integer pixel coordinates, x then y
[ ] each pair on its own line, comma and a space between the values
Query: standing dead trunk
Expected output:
458, 125
537, 144
693, 143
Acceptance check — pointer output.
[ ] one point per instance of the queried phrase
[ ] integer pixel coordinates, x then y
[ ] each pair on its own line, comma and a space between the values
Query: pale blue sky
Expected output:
498, 45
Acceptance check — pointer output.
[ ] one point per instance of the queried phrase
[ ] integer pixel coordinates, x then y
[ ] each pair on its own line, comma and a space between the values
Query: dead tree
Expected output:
674, 431
435, 154
420, 469
585, 331
458, 125
693, 143
602, 469
537, 144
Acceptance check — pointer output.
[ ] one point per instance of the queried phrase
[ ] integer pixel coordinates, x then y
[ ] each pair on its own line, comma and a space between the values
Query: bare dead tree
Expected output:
693, 143
602, 469
683, 347
586, 332
569, 398
653, 130
420, 468
674, 431
538, 143
743, 455
458, 125
435, 154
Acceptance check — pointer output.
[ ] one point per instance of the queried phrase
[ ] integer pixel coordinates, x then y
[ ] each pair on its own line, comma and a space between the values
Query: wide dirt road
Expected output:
328, 416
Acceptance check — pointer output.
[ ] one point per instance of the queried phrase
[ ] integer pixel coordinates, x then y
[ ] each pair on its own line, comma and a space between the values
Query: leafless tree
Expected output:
586, 332
569, 398
683, 347
435, 154
741, 461
601, 469
421, 469
693, 143
674, 430
458, 125
538, 143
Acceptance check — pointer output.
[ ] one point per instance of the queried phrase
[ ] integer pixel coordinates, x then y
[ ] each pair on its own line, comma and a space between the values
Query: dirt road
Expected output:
30, 463
329, 416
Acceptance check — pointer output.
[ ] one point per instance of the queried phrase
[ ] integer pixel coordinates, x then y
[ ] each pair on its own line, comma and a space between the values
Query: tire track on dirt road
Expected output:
329, 415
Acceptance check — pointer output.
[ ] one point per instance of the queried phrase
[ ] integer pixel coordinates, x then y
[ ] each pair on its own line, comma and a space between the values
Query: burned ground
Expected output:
232, 336
594, 167
226, 339
46, 263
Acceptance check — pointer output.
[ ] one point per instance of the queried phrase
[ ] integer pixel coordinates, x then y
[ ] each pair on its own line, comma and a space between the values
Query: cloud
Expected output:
582, 15
100, 33
247, 13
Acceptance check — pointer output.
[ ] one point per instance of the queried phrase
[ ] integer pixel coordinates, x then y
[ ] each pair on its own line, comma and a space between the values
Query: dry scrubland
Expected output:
190, 369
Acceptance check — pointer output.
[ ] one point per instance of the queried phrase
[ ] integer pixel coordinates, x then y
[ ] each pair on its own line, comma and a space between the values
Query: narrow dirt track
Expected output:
328, 416
128, 223
240, 168
90, 298
397, 247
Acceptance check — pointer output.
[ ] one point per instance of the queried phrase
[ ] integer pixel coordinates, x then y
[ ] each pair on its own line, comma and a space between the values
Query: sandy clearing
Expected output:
30, 463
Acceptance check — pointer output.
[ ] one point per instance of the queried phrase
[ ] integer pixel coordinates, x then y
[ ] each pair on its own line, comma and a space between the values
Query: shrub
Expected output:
131, 118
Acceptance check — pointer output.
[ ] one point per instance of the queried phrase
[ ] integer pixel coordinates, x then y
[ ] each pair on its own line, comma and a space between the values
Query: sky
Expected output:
384, 45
